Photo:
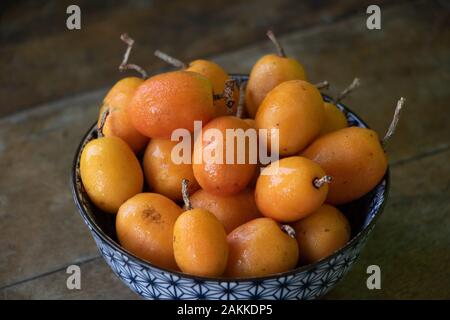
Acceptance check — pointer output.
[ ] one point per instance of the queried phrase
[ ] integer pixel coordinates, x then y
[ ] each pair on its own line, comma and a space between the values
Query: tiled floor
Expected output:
42, 233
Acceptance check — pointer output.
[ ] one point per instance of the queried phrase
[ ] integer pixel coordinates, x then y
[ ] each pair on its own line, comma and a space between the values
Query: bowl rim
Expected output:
94, 227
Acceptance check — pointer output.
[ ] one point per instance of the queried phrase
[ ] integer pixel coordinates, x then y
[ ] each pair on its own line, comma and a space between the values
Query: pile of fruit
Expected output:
239, 219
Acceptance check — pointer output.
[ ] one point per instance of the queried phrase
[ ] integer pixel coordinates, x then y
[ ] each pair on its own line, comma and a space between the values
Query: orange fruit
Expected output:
218, 76
232, 211
144, 226
110, 173
162, 174
354, 158
296, 109
170, 101
260, 248
118, 123
200, 243
214, 174
321, 233
288, 193
267, 73
334, 119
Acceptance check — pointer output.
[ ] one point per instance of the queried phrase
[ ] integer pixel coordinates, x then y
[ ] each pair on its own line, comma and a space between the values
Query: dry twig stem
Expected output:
277, 44
170, 60
320, 182
322, 85
100, 126
355, 84
394, 121
125, 65
289, 230
227, 93
240, 107
185, 193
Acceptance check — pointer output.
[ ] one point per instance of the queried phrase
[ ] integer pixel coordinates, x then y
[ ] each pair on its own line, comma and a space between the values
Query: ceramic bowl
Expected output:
306, 282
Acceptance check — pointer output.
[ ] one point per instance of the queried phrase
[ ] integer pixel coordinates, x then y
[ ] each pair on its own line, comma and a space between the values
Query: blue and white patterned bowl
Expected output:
306, 282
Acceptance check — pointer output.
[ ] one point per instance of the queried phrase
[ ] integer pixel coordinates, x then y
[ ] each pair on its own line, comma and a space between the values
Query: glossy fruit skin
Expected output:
251, 122
110, 172
321, 233
260, 248
295, 108
200, 244
162, 174
144, 226
169, 101
221, 178
267, 73
334, 119
118, 122
287, 194
232, 211
354, 158
217, 75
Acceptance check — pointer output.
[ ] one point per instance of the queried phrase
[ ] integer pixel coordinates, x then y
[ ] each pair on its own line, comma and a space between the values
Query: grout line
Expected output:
79, 263
420, 156
60, 104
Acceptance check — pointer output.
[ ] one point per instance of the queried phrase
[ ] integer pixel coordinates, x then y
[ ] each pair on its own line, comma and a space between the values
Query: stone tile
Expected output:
97, 282
411, 242
41, 229
44, 61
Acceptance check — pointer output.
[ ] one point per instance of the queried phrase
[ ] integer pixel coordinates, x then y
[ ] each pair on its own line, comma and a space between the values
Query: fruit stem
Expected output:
277, 44
125, 65
185, 193
320, 182
288, 230
240, 107
227, 93
322, 85
170, 60
105, 115
394, 122
355, 84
